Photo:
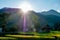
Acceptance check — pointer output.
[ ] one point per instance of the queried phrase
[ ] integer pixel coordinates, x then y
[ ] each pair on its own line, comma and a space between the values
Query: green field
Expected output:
36, 36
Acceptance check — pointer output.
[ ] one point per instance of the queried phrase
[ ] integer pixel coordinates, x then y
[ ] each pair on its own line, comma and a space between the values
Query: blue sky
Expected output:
38, 5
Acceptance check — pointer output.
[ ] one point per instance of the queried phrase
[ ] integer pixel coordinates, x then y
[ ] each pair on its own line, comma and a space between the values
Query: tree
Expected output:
3, 20
35, 20
46, 28
13, 29
57, 26
37, 26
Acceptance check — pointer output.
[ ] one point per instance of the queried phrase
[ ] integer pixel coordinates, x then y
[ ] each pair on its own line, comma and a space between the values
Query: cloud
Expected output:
44, 10
58, 10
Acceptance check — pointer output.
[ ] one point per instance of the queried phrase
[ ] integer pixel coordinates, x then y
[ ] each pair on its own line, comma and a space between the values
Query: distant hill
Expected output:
51, 12
51, 16
9, 10
47, 17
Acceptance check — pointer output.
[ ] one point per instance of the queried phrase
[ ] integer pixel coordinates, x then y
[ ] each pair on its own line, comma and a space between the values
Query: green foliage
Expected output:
57, 26
3, 20
46, 28
35, 20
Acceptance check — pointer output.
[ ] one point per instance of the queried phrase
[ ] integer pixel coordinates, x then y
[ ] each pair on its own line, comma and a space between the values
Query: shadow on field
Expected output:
36, 39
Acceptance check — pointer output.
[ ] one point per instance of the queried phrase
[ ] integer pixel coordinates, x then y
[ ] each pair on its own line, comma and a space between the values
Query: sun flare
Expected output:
25, 6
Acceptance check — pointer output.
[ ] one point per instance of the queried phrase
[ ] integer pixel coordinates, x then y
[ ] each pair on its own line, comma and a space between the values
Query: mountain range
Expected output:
46, 17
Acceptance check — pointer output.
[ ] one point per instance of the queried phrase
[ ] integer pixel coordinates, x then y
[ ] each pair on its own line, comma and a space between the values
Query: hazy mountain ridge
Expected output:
51, 12
9, 10
50, 16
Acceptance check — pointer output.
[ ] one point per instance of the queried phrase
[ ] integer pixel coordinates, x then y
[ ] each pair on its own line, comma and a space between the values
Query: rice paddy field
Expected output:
53, 35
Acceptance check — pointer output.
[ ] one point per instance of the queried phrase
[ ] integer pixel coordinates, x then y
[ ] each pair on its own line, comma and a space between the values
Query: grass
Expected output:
35, 36
23, 36
7, 38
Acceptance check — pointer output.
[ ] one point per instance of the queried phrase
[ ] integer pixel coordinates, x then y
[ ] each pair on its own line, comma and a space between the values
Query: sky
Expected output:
38, 5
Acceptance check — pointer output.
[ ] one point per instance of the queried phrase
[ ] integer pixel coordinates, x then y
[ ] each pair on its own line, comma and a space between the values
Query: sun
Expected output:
25, 6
